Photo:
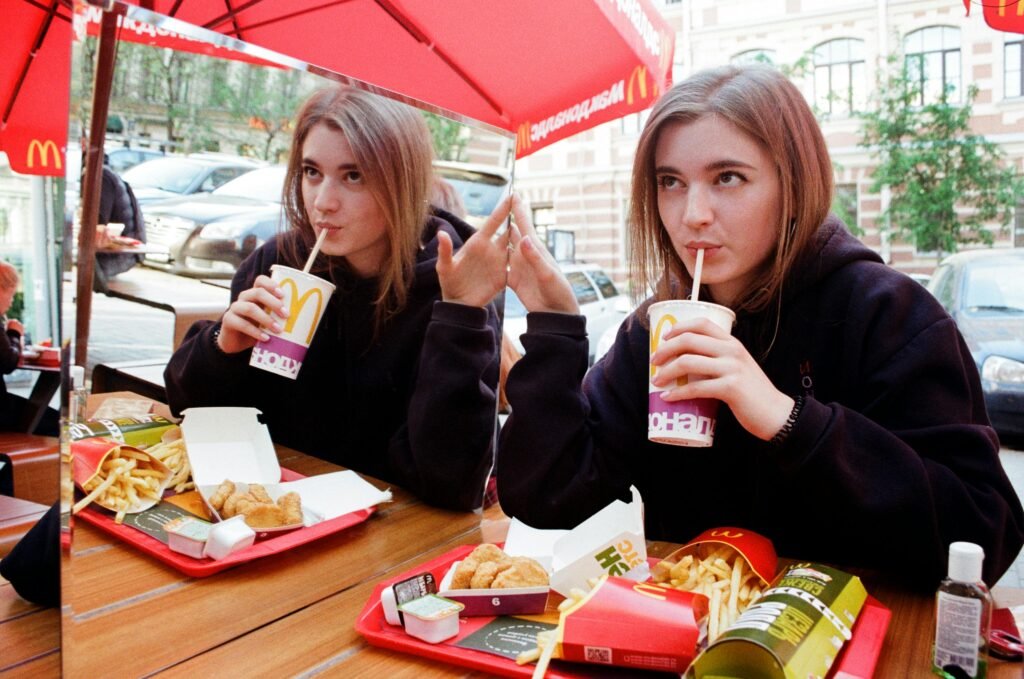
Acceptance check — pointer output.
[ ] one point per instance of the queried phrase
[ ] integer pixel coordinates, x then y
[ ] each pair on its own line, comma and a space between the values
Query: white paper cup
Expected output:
690, 422
115, 229
306, 297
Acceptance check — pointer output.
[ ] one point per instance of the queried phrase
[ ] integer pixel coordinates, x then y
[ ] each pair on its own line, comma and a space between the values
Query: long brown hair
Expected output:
393, 150
764, 104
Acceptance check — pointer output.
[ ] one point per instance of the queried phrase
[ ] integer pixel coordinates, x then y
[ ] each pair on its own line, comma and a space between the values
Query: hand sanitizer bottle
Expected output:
963, 616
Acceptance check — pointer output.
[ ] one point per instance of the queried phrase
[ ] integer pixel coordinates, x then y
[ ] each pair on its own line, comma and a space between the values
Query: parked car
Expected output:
120, 158
599, 299
479, 186
984, 292
208, 235
174, 176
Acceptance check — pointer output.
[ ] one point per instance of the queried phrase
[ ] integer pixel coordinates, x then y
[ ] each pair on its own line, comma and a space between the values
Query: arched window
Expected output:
933, 62
753, 57
1013, 66
839, 76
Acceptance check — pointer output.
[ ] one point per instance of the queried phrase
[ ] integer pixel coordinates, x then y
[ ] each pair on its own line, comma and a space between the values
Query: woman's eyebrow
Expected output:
728, 162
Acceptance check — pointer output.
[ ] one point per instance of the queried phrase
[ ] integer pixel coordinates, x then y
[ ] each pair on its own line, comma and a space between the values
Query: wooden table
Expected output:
127, 614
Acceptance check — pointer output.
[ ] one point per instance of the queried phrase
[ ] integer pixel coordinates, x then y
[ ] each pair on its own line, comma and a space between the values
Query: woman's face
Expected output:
6, 299
337, 199
718, 189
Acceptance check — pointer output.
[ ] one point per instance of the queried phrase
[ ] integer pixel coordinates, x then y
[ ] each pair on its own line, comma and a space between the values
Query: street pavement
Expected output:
126, 331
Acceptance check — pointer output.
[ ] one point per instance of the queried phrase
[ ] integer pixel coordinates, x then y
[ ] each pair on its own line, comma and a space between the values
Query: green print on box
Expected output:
140, 432
795, 630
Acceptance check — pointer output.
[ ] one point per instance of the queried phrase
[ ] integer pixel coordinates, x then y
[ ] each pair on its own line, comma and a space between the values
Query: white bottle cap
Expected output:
965, 562
77, 377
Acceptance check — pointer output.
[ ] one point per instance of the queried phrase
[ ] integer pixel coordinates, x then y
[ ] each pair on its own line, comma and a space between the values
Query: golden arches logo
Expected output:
523, 136
43, 150
1003, 4
727, 534
657, 331
652, 591
297, 303
637, 78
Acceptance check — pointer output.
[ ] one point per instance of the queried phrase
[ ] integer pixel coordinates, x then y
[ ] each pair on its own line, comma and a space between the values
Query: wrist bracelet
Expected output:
783, 433
216, 342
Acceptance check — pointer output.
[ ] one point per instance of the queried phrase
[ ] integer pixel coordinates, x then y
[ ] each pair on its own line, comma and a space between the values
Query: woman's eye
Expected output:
731, 178
310, 172
354, 177
667, 182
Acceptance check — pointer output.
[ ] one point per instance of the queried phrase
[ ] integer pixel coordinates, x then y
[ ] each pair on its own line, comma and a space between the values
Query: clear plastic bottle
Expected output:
78, 403
963, 616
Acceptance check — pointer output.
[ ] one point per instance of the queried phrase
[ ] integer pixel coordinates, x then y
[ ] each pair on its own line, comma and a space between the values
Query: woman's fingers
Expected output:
497, 218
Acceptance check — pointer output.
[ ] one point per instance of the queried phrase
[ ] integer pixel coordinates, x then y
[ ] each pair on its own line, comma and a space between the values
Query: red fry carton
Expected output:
88, 456
633, 624
756, 549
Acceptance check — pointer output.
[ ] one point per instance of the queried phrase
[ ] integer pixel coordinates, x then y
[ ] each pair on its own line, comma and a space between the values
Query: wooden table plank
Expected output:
29, 635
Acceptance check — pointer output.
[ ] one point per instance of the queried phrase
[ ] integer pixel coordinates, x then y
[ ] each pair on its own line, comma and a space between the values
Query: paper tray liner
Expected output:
860, 658
278, 542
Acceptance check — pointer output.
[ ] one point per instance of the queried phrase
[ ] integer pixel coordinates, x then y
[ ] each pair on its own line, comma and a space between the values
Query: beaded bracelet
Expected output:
783, 433
216, 342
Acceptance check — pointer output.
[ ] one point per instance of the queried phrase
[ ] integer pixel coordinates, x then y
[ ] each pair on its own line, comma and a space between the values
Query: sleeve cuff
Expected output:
807, 429
460, 314
556, 324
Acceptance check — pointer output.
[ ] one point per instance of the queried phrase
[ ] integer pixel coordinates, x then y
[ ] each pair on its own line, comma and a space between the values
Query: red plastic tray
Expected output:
199, 568
857, 659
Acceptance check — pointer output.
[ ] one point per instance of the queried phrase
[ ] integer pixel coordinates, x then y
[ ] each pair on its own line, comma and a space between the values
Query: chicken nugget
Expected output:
231, 508
523, 572
486, 573
291, 504
225, 489
464, 573
489, 552
259, 493
259, 515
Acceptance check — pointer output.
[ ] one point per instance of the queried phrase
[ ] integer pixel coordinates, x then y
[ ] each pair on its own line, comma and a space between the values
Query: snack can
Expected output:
307, 297
794, 631
140, 432
690, 422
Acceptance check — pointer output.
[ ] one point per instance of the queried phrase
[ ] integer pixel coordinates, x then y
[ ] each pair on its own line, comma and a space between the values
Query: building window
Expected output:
1013, 65
933, 62
753, 57
839, 85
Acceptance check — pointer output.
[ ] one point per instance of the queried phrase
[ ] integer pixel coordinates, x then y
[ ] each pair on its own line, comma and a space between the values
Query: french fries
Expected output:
723, 576
546, 641
123, 479
174, 455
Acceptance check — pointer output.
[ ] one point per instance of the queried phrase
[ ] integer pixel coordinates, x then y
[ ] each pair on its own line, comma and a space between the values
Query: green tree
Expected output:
948, 184
449, 140
266, 102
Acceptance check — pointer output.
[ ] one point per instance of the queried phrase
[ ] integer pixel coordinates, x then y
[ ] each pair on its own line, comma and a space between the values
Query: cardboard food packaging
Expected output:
231, 443
140, 432
632, 624
611, 542
506, 601
87, 457
794, 631
756, 549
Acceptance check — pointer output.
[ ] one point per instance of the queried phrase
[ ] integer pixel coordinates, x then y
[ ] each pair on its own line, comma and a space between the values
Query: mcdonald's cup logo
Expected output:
284, 352
42, 150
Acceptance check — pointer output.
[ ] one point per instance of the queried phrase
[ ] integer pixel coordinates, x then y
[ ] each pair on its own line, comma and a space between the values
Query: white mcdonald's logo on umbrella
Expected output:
296, 305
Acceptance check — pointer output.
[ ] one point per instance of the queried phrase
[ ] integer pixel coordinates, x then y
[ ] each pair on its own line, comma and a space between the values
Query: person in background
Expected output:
399, 381
118, 205
852, 426
12, 341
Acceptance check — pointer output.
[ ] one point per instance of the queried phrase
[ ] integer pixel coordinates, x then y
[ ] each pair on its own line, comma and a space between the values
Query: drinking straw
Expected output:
696, 275
320, 241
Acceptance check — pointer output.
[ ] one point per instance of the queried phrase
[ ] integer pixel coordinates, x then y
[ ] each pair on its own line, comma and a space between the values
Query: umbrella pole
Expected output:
91, 183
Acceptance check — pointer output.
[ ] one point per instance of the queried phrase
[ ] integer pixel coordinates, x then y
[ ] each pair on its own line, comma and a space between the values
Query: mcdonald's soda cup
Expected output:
690, 422
306, 297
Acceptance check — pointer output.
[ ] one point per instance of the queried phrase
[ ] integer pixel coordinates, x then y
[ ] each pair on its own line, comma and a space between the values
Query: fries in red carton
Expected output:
120, 478
633, 624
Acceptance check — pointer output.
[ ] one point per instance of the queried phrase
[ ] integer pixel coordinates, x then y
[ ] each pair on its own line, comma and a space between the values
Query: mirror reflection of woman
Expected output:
852, 428
400, 379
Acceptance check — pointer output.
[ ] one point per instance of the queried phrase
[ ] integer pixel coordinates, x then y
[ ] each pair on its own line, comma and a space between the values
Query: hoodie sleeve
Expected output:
445, 451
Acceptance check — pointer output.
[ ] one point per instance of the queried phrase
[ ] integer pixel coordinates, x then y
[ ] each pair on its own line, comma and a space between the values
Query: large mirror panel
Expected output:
199, 127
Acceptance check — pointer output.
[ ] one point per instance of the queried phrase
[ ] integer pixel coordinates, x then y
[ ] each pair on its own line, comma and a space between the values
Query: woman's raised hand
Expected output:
533, 272
257, 309
476, 273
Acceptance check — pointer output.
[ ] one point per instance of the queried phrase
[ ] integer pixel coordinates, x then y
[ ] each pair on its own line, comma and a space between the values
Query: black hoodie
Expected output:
414, 406
891, 459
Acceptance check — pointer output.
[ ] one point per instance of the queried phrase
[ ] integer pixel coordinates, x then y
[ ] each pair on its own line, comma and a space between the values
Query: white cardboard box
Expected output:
611, 541
231, 443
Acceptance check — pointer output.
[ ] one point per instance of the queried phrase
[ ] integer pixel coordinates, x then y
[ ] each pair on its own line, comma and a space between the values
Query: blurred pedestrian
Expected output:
118, 205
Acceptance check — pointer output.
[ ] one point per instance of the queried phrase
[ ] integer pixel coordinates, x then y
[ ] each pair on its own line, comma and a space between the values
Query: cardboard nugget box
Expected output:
504, 601
232, 444
632, 624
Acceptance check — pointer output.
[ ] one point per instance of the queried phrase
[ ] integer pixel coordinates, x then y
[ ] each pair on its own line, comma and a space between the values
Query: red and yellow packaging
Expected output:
88, 456
756, 549
633, 624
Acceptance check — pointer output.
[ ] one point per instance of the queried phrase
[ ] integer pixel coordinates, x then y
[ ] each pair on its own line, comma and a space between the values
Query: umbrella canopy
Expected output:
543, 70
1002, 15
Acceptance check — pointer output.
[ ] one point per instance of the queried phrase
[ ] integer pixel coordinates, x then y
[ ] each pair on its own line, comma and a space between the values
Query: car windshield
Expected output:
995, 286
262, 184
513, 305
174, 175
479, 192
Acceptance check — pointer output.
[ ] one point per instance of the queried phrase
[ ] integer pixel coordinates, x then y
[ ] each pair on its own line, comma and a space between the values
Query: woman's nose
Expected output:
327, 199
698, 211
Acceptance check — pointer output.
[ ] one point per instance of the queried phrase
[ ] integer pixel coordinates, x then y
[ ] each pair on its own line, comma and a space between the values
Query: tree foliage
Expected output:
449, 139
948, 184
